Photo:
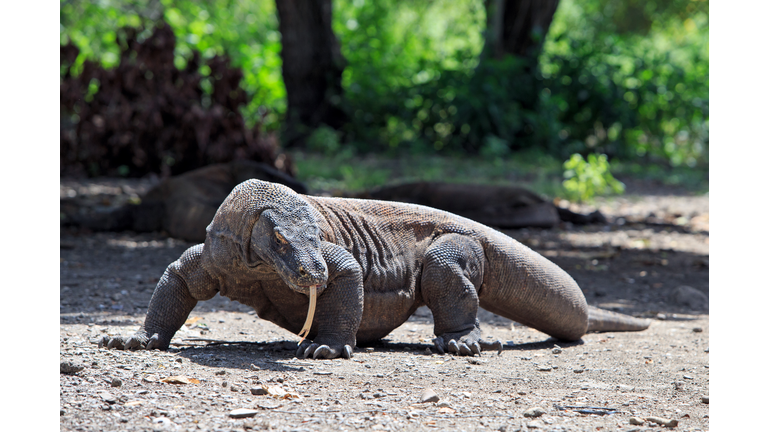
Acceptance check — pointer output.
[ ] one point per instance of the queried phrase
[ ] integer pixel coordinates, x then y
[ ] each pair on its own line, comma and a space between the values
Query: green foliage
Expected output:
586, 179
627, 78
602, 85
631, 95
246, 31
324, 140
397, 53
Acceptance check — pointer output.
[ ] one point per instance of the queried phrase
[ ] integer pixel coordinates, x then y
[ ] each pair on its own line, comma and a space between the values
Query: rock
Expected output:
544, 368
536, 424
69, 367
698, 329
116, 382
662, 421
259, 391
690, 297
534, 412
108, 398
636, 421
705, 399
243, 413
557, 350
429, 395
578, 370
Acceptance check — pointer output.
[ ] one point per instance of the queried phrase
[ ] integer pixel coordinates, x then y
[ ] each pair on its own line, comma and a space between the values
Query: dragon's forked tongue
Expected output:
310, 313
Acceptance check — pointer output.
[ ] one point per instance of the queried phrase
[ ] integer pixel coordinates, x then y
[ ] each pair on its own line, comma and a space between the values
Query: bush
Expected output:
147, 116
586, 179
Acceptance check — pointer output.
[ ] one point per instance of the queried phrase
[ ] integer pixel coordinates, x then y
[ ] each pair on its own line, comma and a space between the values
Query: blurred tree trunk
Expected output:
517, 27
312, 67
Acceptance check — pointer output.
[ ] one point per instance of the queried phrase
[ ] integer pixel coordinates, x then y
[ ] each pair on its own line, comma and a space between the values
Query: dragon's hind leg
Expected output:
451, 277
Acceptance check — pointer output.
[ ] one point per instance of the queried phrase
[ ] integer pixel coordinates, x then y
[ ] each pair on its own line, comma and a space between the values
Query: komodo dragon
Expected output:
366, 266
495, 205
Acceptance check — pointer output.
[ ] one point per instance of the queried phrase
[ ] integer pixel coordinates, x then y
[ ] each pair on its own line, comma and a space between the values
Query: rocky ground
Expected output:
228, 370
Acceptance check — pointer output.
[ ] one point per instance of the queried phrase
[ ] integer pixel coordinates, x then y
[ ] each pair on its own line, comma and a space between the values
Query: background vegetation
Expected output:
625, 78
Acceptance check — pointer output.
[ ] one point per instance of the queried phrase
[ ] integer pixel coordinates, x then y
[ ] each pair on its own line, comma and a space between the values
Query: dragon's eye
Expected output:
280, 238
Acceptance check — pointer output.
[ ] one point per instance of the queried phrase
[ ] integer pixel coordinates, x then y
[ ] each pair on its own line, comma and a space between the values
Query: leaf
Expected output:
180, 379
277, 392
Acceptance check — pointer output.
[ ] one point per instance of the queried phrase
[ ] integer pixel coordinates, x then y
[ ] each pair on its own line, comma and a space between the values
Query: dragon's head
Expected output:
275, 230
272, 229
289, 241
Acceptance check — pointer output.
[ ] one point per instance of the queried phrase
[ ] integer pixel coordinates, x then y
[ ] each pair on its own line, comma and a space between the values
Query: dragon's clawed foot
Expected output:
467, 345
138, 341
317, 350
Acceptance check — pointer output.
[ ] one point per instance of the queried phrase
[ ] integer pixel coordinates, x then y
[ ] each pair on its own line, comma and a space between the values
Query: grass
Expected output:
346, 171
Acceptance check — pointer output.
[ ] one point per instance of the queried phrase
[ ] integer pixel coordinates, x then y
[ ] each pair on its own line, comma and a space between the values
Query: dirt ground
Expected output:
657, 241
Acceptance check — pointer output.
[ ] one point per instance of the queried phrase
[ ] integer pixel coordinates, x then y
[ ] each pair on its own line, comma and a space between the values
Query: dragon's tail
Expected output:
603, 320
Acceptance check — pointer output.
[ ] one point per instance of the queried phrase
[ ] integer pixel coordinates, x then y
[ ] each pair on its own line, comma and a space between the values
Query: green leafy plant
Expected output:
585, 179
324, 140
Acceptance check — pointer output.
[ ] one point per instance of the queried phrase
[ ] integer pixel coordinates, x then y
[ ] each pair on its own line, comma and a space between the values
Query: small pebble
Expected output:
697, 330
243, 413
578, 370
544, 368
534, 412
536, 424
68, 367
557, 350
705, 399
116, 382
259, 391
662, 421
429, 395
636, 421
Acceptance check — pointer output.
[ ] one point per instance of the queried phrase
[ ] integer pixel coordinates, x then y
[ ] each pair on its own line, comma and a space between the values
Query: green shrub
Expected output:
586, 179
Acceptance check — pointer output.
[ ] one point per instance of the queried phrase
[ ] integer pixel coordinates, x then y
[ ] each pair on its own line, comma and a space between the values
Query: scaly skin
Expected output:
374, 264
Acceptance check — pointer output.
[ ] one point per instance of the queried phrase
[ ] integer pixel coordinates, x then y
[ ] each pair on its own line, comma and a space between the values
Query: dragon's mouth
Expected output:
310, 313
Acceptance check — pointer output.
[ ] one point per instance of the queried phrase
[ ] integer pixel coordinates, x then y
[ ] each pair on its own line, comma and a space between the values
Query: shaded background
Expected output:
166, 86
